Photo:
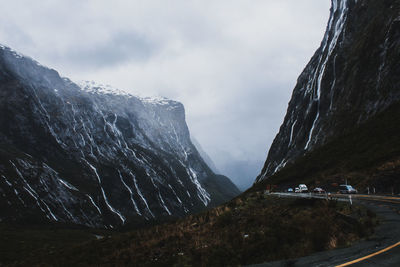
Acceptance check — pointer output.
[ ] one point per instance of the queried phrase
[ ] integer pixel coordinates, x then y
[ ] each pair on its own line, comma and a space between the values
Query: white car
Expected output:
303, 188
347, 189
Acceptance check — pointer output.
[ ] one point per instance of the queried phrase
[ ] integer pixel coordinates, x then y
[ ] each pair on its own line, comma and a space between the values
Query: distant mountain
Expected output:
93, 155
204, 155
242, 172
352, 78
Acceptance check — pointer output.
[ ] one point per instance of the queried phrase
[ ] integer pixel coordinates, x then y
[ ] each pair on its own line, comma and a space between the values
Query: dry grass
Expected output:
250, 229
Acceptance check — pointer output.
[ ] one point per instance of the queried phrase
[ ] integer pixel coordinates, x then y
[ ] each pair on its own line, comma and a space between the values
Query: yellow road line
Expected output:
367, 196
394, 200
369, 256
383, 200
378, 197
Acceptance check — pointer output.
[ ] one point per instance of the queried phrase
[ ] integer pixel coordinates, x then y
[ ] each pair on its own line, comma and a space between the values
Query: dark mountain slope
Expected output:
367, 156
94, 155
352, 76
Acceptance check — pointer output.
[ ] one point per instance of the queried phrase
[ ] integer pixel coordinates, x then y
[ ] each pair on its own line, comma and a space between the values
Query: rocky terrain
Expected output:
351, 78
93, 155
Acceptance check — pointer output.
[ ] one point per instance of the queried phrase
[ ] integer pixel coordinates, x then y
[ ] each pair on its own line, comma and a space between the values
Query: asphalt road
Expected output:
389, 258
362, 253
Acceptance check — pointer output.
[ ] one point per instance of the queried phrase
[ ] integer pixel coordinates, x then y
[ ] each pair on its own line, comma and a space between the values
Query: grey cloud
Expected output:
121, 48
232, 63
14, 34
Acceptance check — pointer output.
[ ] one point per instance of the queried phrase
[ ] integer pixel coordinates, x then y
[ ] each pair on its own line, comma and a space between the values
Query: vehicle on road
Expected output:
290, 190
297, 190
303, 188
318, 190
347, 189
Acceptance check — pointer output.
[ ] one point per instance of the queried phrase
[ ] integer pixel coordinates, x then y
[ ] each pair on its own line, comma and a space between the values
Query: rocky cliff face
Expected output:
93, 155
351, 77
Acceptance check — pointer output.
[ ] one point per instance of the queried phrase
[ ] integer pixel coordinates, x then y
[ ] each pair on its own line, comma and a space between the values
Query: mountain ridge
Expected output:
88, 156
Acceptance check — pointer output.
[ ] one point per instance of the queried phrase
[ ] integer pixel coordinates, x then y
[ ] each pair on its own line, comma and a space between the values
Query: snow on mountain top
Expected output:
18, 55
97, 88
156, 100
15, 53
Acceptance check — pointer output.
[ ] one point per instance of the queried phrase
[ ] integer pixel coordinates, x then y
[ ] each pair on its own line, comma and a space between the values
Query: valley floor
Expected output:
379, 249
251, 229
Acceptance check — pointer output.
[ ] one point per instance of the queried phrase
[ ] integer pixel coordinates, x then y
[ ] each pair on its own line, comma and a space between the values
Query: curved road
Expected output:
381, 249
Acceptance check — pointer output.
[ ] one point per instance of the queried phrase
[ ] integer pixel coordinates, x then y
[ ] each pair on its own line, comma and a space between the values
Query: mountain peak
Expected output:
93, 154
98, 88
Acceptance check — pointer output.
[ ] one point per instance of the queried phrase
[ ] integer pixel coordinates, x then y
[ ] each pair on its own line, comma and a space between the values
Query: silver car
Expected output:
347, 189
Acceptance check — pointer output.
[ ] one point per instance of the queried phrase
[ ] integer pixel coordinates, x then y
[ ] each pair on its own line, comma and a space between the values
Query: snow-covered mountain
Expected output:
93, 155
351, 77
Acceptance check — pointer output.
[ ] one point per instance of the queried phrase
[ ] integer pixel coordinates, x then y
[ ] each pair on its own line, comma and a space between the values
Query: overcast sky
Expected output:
232, 63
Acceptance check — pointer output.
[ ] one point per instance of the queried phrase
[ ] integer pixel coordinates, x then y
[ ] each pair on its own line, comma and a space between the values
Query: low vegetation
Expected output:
32, 244
247, 230
252, 228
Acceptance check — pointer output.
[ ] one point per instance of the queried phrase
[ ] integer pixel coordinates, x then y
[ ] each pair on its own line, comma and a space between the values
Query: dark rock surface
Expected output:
353, 76
93, 155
